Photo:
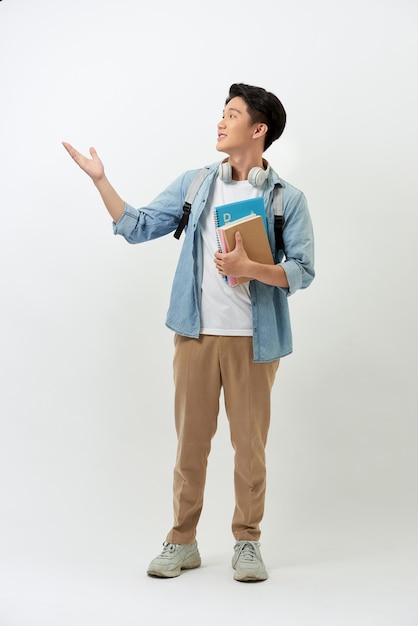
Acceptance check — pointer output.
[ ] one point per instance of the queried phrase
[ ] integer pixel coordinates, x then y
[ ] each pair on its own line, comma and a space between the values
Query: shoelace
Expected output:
168, 549
246, 551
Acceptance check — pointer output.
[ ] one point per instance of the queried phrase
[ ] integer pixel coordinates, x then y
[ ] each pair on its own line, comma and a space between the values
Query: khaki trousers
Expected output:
202, 367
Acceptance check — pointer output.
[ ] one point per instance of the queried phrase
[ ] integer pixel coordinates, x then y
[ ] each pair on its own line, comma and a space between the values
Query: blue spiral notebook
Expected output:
236, 210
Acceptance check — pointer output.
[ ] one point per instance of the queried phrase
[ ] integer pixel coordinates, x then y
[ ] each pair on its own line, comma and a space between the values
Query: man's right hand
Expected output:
93, 167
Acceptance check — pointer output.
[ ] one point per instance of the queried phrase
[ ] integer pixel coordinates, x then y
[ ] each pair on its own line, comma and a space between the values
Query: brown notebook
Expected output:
254, 239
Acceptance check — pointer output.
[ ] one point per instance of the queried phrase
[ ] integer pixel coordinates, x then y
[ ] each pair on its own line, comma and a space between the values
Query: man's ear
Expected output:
260, 130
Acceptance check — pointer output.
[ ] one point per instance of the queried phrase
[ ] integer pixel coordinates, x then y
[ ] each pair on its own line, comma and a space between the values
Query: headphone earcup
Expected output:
225, 172
257, 176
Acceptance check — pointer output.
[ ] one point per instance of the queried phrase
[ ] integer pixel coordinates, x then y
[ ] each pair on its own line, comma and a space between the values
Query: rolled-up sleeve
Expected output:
298, 239
158, 218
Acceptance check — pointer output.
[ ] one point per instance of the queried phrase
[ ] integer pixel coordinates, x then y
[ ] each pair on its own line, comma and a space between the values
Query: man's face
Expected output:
235, 130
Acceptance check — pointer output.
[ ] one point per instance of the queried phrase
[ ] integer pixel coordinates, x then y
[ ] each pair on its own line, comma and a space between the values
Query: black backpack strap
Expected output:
190, 196
278, 216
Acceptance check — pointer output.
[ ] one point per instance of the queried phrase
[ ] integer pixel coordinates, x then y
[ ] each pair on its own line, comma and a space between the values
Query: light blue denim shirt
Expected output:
272, 335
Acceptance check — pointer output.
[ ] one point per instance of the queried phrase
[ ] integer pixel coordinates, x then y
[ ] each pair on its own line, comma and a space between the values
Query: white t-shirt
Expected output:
225, 310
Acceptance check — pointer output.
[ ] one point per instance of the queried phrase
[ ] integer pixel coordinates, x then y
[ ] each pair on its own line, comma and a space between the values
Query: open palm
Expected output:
93, 167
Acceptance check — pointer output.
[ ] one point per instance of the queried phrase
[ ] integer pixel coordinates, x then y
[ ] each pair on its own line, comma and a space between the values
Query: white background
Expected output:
86, 435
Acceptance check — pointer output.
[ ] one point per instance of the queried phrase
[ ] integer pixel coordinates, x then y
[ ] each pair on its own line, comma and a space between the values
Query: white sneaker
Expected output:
247, 562
173, 559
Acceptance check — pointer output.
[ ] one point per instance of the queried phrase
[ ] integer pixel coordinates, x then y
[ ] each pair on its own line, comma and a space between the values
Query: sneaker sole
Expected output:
250, 578
175, 572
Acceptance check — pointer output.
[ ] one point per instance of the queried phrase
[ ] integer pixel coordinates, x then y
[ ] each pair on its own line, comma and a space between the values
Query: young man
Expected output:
225, 338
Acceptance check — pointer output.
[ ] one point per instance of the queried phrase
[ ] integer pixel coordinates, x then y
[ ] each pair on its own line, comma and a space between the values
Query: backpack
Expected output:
194, 187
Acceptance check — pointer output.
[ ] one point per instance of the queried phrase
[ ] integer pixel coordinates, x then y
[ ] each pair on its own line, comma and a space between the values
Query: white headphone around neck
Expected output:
257, 176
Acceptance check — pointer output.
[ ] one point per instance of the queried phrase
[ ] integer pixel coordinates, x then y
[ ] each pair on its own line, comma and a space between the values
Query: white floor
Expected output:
355, 577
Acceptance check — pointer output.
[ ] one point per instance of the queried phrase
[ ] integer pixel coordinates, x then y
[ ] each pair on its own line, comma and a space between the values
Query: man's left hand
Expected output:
232, 263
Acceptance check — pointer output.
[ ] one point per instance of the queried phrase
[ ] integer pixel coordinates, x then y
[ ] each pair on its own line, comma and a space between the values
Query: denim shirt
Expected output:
272, 335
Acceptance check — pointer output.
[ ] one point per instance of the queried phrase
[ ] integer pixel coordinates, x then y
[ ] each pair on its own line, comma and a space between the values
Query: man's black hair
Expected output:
263, 106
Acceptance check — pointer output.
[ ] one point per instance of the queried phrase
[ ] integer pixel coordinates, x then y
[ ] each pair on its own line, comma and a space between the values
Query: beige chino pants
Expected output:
202, 367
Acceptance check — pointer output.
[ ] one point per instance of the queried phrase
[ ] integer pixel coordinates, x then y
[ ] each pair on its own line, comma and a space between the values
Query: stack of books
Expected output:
249, 218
